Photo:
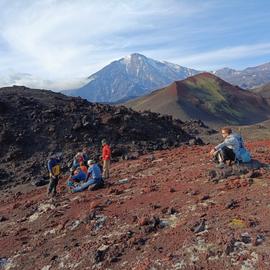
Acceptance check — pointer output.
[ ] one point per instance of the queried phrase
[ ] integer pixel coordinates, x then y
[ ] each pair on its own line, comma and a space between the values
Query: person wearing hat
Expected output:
54, 172
93, 177
106, 157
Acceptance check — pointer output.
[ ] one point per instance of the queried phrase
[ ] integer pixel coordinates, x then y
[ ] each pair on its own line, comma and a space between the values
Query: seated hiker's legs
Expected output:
216, 157
99, 184
227, 154
85, 185
70, 184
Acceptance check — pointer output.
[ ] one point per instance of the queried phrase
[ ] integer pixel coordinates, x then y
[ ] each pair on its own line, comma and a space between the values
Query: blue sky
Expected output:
56, 44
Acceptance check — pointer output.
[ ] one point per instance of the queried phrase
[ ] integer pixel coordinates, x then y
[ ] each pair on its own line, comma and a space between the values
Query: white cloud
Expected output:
224, 55
29, 80
57, 39
59, 42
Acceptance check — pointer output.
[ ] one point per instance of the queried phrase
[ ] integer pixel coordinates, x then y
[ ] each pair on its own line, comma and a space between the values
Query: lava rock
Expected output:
40, 182
259, 240
230, 247
3, 218
245, 238
172, 211
232, 204
144, 221
199, 226
100, 253
205, 197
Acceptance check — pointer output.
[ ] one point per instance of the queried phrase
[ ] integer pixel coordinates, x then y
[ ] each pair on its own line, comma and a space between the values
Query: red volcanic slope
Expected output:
167, 215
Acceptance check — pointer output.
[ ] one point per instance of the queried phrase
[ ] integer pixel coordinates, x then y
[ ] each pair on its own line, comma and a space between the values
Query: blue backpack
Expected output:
244, 155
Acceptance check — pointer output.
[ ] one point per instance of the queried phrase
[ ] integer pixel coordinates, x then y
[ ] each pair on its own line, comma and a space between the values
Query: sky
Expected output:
56, 44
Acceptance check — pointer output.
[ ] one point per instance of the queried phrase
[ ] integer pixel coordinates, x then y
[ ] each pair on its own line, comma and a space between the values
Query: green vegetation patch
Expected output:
209, 92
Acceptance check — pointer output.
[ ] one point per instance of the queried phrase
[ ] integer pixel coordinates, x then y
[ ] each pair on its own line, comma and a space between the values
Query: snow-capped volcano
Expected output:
129, 77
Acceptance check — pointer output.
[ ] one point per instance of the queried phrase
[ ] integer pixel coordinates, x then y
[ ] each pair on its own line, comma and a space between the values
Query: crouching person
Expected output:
93, 178
74, 180
228, 150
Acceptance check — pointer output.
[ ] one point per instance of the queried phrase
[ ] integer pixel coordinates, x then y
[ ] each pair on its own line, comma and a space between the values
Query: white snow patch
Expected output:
127, 59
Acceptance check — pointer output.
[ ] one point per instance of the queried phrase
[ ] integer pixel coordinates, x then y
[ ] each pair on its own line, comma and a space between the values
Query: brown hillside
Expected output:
208, 98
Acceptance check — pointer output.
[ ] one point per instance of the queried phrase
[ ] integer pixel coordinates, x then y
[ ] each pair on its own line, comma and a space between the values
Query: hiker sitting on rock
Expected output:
228, 149
78, 177
93, 177
54, 171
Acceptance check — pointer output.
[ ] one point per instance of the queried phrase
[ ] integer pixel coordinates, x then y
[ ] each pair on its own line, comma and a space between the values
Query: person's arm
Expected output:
212, 152
50, 166
109, 152
88, 174
218, 147
229, 141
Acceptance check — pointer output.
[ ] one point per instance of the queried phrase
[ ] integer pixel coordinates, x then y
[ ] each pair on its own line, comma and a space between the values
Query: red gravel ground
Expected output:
166, 215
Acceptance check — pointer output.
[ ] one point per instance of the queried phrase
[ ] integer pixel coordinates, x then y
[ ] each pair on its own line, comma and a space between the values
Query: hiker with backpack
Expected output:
231, 149
54, 172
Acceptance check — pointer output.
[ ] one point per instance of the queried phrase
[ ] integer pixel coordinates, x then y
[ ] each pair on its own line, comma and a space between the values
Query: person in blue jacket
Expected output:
77, 178
93, 178
54, 172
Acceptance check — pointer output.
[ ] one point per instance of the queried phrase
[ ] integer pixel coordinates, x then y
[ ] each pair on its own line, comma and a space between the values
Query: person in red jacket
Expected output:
106, 157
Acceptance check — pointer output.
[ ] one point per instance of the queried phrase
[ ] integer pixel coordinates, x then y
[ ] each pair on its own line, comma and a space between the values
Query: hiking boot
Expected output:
97, 186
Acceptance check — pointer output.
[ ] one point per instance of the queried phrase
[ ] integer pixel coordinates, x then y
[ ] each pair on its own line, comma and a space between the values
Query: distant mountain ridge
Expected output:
208, 98
248, 78
137, 75
131, 76
263, 90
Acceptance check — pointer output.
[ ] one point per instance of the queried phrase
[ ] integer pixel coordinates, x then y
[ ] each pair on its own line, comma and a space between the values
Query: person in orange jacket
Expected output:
106, 157
83, 167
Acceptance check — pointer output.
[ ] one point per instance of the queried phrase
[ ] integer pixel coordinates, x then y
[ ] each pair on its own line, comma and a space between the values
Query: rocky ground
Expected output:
171, 209
34, 123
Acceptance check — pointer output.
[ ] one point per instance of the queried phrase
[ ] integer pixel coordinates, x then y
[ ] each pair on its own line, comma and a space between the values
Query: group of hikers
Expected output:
84, 172
87, 172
